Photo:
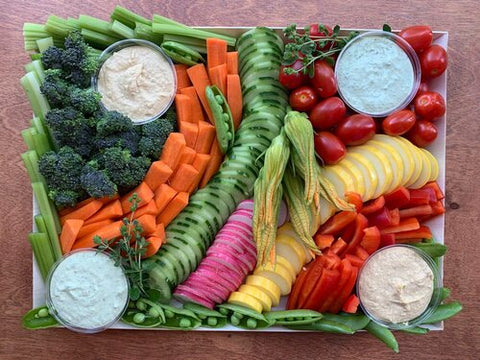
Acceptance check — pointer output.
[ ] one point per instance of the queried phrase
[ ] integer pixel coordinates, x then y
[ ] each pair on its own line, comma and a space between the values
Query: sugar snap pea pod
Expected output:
324, 326
144, 314
435, 250
209, 318
179, 318
222, 117
444, 312
180, 53
38, 318
293, 317
354, 321
416, 330
243, 317
384, 334
444, 293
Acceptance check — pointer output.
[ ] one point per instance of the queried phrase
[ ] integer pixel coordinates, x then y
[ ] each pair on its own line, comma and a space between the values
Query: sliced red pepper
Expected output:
405, 225
371, 239
351, 305
346, 269
354, 260
297, 287
387, 239
422, 196
397, 198
330, 260
312, 278
355, 199
437, 207
347, 233
420, 210
361, 253
339, 246
423, 232
323, 241
395, 216
373, 205
381, 218
361, 222
345, 293
327, 283
409, 241
338, 222
438, 192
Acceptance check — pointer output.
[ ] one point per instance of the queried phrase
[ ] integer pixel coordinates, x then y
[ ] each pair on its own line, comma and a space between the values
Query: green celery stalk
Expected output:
190, 32
128, 17
74, 23
44, 43
58, 26
34, 28
35, 56
42, 252
31, 85
200, 49
145, 32
40, 223
185, 40
32, 174
97, 39
28, 139
38, 70
159, 19
97, 25
42, 128
122, 30
41, 143
30, 45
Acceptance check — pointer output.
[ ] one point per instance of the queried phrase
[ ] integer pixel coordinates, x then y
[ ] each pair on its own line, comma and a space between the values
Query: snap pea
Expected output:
179, 319
144, 314
222, 117
434, 250
293, 317
243, 317
38, 318
181, 53
444, 293
416, 330
354, 321
384, 334
443, 312
324, 326
209, 318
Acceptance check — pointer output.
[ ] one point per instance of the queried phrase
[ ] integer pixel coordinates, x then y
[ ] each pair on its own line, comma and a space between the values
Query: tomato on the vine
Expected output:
292, 81
324, 79
429, 105
419, 37
327, 113
329, 147
433, 61
356, 129
423, 133
303, 98
319, 31
399, 122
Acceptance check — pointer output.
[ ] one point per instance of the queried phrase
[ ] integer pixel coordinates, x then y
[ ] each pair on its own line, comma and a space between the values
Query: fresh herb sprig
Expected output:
128, 252
308, 48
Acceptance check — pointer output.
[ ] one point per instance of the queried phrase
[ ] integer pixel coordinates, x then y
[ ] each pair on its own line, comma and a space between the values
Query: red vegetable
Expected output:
433, 61
371, 239
338, 222
399, 122
303, 98
419, 37
361, 222
423, 133
324, 79
430, 105
327, 113
397, 198
329, 147
292, 81
351, 305
356, 129
373, 205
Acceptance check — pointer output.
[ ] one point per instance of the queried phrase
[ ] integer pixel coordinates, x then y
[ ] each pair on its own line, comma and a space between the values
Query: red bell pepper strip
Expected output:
323, 241
387, 239
338, 247
347, 233
324, 287
371, 239
337, 222
437, 207
408, 241
420, 210
354, 198
438, 192
421, 196
310, 281
381, 218
395, 216
346, 269
361, 253
330, 260
373, 205
354, 260
297, 287
405, 225
423, 232
345, 293
351, 305
361, 222
397, 198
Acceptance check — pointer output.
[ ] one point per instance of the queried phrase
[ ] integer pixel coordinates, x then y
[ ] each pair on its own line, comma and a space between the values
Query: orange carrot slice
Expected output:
84, 212
163, 195
157, 174
206, 135
232, 62
234, 98
183, 80
111, 210
184, 107
189, 131
216, 52
184, 178
110, 231
89, 228
197, 111
218, 76
69, 233
144, 193
172, 150
174, 208
200, 80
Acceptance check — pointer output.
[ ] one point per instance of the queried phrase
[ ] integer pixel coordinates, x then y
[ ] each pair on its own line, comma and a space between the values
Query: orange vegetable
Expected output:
149, 209
206, 135
323, 241
184, 178
188, 156
69, 233
89, 228
144, 193
68, 210
148, 223
234, 98
110, 231
189, 131
197, 111
216, 52
174, 208
183, 107
214, 164
155, 241
200, 80
172, 150
157, 174
232, 62
218, 76
111, 210
200, 163
183, 80
84, 212
163, 195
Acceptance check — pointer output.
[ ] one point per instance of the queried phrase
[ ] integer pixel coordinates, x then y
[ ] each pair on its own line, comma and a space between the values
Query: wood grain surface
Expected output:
461, 337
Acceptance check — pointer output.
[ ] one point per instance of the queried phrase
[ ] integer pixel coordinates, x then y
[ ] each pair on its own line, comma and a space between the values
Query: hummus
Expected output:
395, 285
136, 81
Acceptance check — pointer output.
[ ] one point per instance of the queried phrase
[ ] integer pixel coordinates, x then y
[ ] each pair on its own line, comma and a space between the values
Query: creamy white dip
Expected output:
136, 81
396, 285
374, 75
87, 290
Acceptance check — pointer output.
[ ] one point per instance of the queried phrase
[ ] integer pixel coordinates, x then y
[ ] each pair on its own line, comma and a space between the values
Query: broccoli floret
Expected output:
76, 61
61, 171
55, 88
154, 135
86, 101
116, 130
124, 169
171, 116
96, 182
52, 58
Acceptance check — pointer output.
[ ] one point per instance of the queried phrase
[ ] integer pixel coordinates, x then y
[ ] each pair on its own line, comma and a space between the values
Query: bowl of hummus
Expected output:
136, 78
399, 286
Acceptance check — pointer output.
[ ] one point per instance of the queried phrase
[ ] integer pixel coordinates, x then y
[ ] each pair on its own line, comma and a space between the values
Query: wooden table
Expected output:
459, 340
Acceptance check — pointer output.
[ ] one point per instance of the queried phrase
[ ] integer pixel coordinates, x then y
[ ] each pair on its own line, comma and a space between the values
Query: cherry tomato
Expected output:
327, 113
419, 37
423, 133
328, 147
324, 79
319, 31
430, 105
423, 87
399, 122
356, 129
303, 98
292, 81
433, 61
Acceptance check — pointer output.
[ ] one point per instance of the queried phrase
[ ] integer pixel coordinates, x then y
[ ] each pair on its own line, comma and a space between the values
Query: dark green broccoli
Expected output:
95, 181
55, 88
124, 169
154, 135
61, 171
116, 130
86, 101
171, 116
52, 58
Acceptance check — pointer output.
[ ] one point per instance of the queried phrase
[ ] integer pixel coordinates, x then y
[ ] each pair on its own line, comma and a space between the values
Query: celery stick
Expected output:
190, 32
32, 174
41, 250
94, 24
30, 45
145, 32
38, 70
31, 85
128, 17
41, 143
185, 40
97, 39
122, 30
44, 44
28, 139
35, 56
48, 211
200, 49
159, 19
74, 23
58, 26
40, 223
32, 27
28, 67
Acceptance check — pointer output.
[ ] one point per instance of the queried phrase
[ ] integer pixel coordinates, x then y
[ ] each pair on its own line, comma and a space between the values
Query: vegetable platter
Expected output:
240, 206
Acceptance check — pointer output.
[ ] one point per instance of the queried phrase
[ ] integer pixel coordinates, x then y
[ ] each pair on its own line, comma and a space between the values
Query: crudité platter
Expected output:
255, 195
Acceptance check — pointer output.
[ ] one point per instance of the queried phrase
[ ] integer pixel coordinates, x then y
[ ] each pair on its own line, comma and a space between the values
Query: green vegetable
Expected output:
127, 17
38, 102
42, 251
209, 318
145, 314
244, 317
417, 330
434, 250
383, 334
444, 312
114, 129
189, 32
97, 25
38, 318
293, 317
122, 30
179, 319
222, 117
181, 53
324, 326
154, 134
354, 321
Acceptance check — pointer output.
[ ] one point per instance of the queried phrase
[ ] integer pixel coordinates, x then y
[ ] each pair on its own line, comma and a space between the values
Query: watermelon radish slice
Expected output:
247, 259
213, 293
234, 276
246, 205
206, 284
229, 260
237, 245
185, 294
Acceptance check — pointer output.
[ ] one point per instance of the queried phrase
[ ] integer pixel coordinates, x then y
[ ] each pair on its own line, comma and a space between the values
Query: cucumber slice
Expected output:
169, 269
267, 54
261, 103
186, 242
258, 34
251, 67
259, 46
200, 240
180, 255
158, 280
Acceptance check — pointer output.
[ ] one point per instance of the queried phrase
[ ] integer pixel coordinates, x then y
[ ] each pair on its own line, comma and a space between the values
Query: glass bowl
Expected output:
382, 299
359, 68
120, 45
86, 292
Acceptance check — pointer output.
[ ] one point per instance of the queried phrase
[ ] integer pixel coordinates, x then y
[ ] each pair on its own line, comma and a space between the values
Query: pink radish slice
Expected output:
238, 228
240, 224
207, 279
226, 278
247, 260
235, 275
282, 214
235, 243
246, 205
185, 295
230, 260
247, 221
245, 212
241, 236
211, 293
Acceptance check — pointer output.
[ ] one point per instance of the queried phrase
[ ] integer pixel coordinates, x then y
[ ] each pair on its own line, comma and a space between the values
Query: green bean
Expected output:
324, 326
417, 330
434, 250
444, 312
181, 53
38, 318
384, 334
293, 317
222, 117
354, 321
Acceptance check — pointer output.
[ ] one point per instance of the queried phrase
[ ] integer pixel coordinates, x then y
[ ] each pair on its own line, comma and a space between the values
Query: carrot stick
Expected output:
88, 228
69, 233
182, 77
211, 169
157, 174
68, 210
188, 156
144, 193
206, 135
172, 150
184, 178
234, 98
200, 80
163, 195
156, 240
197, 111
148, 223
110, 231
189, 131
200, 163
84, 212
218, 76
183, 107
232, 62
149, 209
110, 211
174, 208
216, 52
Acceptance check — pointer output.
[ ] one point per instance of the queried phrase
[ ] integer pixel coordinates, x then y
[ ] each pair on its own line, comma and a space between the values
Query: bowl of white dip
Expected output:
377, 73
399, 286
86, 292
135, 77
